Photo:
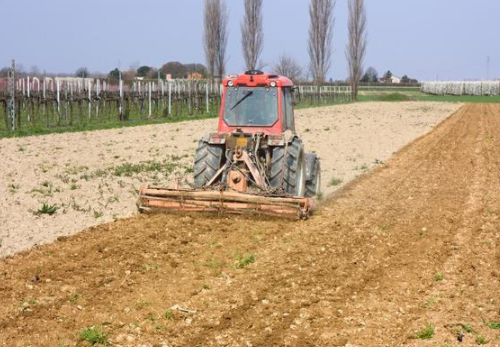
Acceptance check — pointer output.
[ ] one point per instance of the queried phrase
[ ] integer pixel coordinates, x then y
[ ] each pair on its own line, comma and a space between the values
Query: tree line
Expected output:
320, 42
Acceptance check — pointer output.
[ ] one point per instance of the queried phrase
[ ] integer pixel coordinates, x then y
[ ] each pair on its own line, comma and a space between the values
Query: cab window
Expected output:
247, 107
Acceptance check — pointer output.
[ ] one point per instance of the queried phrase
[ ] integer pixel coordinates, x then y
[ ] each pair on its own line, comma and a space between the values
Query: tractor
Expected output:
255, 162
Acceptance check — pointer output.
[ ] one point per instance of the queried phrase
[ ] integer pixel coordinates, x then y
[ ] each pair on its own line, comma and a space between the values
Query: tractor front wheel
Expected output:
207, 162
288, 169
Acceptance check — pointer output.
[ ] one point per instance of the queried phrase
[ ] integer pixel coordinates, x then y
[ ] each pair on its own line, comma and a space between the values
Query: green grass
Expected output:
47, 209
493, 325
481, 340
395, 94
13, 188
128, 169
142, 304
394, 97
114, 124
169, 315
388, 89
430, 302
439, 277
335, 182
95, 336
427, 333
468, 328
243, 261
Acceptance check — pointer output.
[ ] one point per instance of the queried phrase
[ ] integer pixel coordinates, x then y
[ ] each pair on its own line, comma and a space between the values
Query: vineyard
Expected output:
476, 88
58, 103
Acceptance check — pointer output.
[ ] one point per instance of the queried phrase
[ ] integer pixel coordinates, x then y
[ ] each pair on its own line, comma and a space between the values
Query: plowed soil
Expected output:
412, 244
93, 177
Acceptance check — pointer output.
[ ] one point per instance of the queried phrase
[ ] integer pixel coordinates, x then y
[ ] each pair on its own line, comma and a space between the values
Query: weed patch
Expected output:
243, 261
481, 340
427, 333
335, 182
493, 325
128, 169
169, 315
47, 209
94, 335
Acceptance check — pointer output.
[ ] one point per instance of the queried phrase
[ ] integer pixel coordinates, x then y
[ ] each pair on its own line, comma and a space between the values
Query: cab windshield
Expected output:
256, 106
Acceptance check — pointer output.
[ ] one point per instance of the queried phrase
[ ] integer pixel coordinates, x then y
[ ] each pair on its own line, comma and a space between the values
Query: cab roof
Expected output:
255, 78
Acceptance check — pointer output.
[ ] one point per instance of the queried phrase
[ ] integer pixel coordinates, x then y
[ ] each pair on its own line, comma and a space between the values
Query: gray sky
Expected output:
422, 38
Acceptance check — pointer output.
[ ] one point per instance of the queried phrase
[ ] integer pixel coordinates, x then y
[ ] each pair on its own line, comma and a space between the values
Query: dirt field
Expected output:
412, 244
93, 177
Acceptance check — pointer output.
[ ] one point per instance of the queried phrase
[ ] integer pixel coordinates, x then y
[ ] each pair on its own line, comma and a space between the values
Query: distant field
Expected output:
414, 94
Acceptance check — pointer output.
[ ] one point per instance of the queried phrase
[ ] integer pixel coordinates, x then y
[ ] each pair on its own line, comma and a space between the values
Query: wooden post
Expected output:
58, 95
12, 91
190, 98
169, 98
120, 114
98, 99
89, 84
71, 104
66, 101
149, 99
207, 99
29, 97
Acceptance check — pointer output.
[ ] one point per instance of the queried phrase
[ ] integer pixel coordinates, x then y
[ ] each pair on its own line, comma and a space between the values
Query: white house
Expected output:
395, 79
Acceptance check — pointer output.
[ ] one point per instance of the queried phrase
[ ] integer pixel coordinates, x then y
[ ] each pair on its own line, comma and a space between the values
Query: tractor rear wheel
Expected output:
207, 162
313, 181
288, 169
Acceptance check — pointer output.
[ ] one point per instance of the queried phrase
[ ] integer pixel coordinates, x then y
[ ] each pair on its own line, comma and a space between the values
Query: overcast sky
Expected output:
425, 39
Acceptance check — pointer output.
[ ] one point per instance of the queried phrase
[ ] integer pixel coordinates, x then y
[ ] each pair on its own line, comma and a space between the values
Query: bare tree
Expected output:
222, 36
320, 38
82, 72
289, 67
252, 35
356, 47
209, 36
215, 35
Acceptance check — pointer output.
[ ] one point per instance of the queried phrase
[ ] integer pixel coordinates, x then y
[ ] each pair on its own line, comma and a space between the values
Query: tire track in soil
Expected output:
468, 294
435, 155
358, 273
369, 276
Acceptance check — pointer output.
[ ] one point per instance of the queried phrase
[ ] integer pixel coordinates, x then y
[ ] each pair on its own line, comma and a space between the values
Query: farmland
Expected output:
251, 173
93, 177
404, 252
415, 94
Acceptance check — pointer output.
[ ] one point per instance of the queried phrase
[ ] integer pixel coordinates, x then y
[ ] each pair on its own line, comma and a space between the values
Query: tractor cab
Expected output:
255, 102
255, 162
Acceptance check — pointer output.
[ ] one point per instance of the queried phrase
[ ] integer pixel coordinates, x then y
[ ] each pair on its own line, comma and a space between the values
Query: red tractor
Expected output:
255, 162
